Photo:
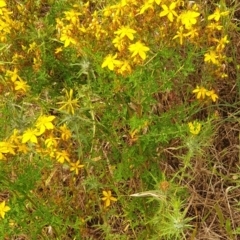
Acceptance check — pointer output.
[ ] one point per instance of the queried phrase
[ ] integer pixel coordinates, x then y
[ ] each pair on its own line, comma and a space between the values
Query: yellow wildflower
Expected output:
67, 40
76, 166
118, 43
214, 26
51, 141
125, 31
194, 127
217, 14
200, 91
58, 50
30, 135
107, 11
22, 148
221, 43
44, 123
212, 95
110, 62
211, 56
32, 47
21, 85
189, 18
17, 57
61, 156
6, 147
180, 35
3, 209
12, 74
169, 11
193, 33
108, 198
138, 48
125, 68
147, 5
2, 3
65, 132
66, 36
72, 16
14, 138
224, 75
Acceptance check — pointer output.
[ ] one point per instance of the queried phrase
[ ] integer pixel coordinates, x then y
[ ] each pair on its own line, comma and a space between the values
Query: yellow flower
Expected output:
32, 47
211, 56
118, 43
3, 209
110, 62
21, 85
221, 43
76, 166
12, 74
72, 16
217, 14
180, 35
214, 26
49, 151
58, 50
6, 147
67, 40
189, 18
51, 141
108, 198
224, 75
193, 33
14, 138
17, 57
107, 11
70, 103
138, 48
22, 148
212, 95
169, 11
44, 123
125, 68
62, 156
146, 6
194, 127
125, 31
66, 36
3, 3
65, 132
200, 91
30, 135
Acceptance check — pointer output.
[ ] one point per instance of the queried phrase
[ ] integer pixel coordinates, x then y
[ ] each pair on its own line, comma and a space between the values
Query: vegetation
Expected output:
119, 119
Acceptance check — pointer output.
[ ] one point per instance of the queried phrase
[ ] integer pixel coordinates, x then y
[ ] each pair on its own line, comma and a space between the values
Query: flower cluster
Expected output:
16, 83
46, 139
6, 21
126, 38
218, 39
70, 28
124, 44
202, 93
194, 127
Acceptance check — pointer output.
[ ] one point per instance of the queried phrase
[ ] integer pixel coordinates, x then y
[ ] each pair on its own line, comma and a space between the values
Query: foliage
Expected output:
108, 111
